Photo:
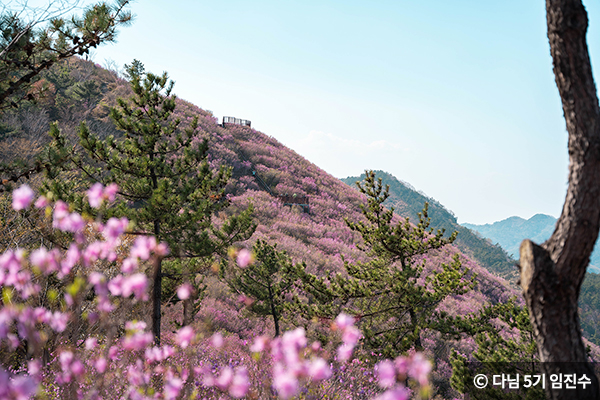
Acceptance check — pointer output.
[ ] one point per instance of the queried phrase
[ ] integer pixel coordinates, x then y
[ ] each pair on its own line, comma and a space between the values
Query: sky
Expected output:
456, 98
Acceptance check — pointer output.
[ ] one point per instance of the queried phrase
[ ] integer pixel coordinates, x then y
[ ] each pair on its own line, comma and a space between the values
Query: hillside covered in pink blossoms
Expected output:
264, 172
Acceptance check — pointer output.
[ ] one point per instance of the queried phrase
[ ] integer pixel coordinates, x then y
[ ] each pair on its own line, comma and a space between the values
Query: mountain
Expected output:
408, 202
509, 234
478, 241
298, 206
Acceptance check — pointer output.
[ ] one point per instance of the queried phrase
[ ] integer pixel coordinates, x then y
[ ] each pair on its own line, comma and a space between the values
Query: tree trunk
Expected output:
156, 299
188, 311
551, 274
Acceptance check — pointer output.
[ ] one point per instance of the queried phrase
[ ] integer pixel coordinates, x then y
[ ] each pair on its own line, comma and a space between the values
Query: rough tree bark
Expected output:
552, 273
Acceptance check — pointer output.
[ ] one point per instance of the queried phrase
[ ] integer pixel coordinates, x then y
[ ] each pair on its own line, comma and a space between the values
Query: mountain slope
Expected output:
408, 202
264, 174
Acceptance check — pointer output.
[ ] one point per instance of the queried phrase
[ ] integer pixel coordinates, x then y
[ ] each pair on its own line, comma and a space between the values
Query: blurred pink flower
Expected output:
110, 191
318, 369
22, 197
135, 284
100, 364
284, 382
216, 340
260, 344
185, 336
240, 383
224, 378
397, 393
94, 194
90, 343
45, 260
98, 193
344, 352
420, 368
41, 202
142, 247
184, 291
351, 335
173, 386
244, 258
386, 373
343, 321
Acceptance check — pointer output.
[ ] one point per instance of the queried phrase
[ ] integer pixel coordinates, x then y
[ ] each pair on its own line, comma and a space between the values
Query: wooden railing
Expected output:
236, 121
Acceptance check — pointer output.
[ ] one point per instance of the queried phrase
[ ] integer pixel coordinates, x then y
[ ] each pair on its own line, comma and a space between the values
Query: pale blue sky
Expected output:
455, 97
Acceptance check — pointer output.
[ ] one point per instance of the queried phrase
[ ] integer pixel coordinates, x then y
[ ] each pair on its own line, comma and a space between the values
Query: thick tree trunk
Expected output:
551, 274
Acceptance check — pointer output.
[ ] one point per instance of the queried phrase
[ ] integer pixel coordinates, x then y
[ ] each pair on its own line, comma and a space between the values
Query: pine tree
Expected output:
26, 50
266, 281
505, 345
390, 294
165, 183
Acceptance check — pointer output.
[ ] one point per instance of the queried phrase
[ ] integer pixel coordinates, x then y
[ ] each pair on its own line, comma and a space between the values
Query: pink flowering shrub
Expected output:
108, 357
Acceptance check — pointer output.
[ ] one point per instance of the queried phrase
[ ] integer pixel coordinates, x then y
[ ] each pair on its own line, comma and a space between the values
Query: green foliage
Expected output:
26, 50
393, 295
165, 184
589, 307
408, 202
267, 281
505, 345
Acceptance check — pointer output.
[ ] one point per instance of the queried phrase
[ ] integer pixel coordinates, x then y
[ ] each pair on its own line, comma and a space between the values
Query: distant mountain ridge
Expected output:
510, 232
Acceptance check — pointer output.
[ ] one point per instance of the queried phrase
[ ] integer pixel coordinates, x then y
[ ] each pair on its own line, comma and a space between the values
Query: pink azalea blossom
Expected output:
98, 193
129, 265
114, 228
344, 352
217, 340
260, 344
100, 364
351, 335
65, 221
45, 260
41, 202
319, 369
71, 258
224, 378
23, 387
184, 291
420, 368
240, 383
396, 393
110, 191
59, 320
343, 321
244, 258
185, 336
402, 364
284, 382
22, 197
138, 340
95, 194
386, 373
135, 284
90, 343
142, 247
173, 386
